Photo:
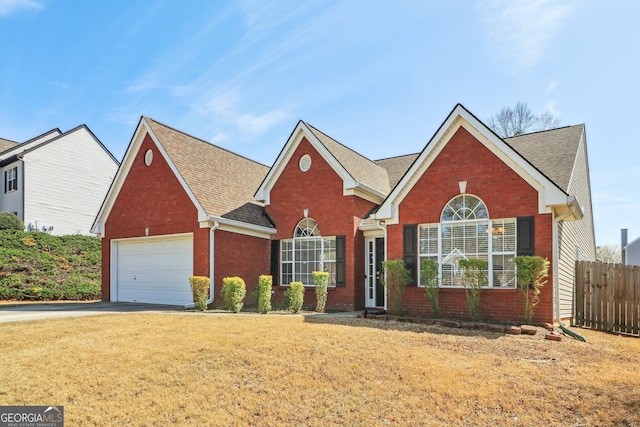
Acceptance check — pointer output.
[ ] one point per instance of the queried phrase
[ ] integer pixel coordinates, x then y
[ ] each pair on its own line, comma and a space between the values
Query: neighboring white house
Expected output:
630, 251
56, 182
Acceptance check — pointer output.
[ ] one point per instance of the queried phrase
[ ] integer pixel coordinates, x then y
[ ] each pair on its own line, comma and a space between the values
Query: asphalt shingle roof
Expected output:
397, 166
6, 144
223, 182
553, 152
363, 170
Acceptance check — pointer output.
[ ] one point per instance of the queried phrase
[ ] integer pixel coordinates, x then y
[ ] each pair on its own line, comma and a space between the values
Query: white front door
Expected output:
374, 286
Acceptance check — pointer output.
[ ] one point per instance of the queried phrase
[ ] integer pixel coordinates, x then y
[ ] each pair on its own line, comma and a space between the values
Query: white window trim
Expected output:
292, 262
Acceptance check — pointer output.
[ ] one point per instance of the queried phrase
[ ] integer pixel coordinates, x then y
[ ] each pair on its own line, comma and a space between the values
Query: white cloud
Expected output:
226, 110
9, 6
522, 31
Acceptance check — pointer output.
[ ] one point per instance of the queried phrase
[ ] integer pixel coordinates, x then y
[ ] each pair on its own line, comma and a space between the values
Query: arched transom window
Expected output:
465, 231
307, 252
307, 228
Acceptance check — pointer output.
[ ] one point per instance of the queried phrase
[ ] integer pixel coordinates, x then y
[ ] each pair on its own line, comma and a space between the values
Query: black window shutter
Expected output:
409, 250
275, 262
341, 265
5, 182
525, 236
15, 185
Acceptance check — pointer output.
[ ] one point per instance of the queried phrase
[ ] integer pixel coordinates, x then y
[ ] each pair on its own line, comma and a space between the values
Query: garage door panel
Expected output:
155, 271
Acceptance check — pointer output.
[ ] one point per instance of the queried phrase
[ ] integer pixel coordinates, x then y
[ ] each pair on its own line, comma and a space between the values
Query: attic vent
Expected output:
305, 163
148, 157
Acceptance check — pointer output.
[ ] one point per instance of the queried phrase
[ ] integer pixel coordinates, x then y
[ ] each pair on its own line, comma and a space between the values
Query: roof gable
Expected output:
360, 176
219, 183
549, 193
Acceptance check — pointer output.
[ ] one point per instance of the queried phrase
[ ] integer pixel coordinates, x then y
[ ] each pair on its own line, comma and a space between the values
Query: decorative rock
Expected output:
497, 328
553, 336
513, 330
483, 326
528, 330
467, 325
448, 323
548, 326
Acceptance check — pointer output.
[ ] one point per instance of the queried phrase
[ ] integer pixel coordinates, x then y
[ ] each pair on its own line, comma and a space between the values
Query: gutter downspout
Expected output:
215, 225
556, 260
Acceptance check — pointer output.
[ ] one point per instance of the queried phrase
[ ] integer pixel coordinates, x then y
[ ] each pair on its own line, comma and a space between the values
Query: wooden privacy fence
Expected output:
608, 297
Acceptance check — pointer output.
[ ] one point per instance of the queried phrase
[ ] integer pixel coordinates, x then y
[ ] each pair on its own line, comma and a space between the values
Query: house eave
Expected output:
240, 227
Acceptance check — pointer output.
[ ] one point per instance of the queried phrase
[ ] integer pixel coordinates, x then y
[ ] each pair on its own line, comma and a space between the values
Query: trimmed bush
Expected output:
264, 293
474, 276
294, 296
396, 279
233, 292
9, 221
200, 290
321, 280
532, 272
429, 275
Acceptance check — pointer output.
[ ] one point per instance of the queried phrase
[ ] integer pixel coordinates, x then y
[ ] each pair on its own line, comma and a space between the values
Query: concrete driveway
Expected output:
37, 311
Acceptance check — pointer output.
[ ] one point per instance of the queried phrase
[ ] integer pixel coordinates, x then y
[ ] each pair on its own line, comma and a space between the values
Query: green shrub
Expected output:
264, 293
474, 277
9, 221
321, 280
429, 275
396, 279
233, 292
294, 297
200, 290
532, 272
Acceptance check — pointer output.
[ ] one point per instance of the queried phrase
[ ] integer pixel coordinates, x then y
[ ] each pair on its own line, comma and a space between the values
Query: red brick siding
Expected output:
152, 196
320, 190
239, 255
506, 195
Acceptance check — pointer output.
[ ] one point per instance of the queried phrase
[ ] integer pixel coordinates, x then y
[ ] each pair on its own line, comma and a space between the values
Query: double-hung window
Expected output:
307, 252
465, 231
11, 179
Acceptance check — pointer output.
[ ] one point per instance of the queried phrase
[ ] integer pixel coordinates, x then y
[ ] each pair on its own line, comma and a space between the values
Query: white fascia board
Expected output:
549, 194
349, 184
123, 171
202, 215
240, 227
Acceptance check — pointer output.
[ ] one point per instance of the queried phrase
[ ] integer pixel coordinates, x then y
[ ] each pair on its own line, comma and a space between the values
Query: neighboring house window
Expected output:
465, 231
307, 252
11, 180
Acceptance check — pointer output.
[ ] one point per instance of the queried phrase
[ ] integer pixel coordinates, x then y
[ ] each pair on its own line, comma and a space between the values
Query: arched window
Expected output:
307, 252
307, 228
466, 231
464, 207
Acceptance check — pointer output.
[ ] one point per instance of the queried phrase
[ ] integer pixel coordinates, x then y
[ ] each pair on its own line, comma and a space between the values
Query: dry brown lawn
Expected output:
186, 369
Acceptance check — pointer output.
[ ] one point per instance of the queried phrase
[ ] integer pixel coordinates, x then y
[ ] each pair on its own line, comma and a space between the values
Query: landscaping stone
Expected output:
529, 330
513, 330
553, 336
467, 325
483, 326
548, 326
497, 328
448, 323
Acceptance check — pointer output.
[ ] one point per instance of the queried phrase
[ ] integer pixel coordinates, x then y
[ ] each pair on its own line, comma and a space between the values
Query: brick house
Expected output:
322, 206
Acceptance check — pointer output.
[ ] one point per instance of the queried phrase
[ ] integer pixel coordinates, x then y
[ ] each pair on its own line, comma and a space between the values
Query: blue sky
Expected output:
379, 76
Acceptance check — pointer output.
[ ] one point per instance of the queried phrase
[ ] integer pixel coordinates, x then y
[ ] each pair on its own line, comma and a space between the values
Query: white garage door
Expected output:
155, 270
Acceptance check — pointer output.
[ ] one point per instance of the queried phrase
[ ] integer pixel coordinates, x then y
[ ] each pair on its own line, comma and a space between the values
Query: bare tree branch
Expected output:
518, 120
